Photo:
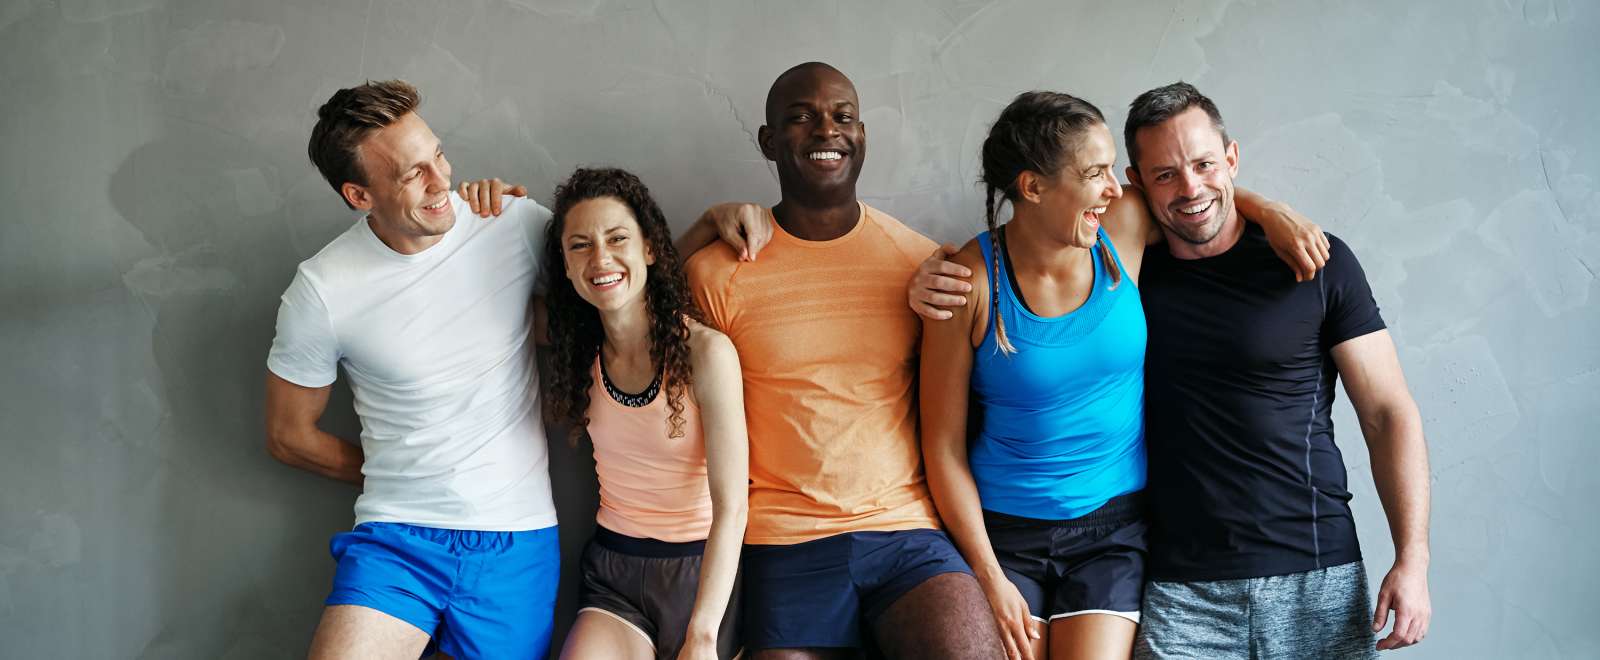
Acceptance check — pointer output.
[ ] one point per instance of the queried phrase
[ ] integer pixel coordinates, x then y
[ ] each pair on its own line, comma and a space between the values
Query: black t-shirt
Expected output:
1245, 479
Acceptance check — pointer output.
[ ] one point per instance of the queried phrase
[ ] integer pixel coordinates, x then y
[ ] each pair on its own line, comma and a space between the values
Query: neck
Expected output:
817, 221
400, 242
627, 331
1226, 238
1039, 249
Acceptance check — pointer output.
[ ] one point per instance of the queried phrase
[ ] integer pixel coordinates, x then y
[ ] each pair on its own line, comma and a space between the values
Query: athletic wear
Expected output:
651, 586
1093, 564
1245, 478
478, 594
1324, 614
829, 352
436, 346
828, 592
651, 485
1062, 427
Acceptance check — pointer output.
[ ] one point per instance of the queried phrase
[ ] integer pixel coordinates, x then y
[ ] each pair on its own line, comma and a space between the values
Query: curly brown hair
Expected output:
574, 324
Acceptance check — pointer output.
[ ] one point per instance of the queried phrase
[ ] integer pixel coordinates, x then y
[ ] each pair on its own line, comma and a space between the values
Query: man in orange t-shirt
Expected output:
842, 529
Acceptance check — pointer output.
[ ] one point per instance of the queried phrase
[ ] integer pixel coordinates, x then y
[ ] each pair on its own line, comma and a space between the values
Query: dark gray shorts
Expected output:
1326, 614
650, 585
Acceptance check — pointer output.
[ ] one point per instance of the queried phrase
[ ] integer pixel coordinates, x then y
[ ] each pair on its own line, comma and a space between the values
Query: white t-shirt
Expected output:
438, 347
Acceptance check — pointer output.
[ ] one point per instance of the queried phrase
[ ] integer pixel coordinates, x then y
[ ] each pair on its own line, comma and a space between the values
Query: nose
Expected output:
1190, 185
601, 255
826, 126
439, 177
1116, 186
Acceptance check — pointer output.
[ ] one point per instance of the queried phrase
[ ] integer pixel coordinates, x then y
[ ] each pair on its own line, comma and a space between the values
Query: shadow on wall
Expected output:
244, 549
248, 554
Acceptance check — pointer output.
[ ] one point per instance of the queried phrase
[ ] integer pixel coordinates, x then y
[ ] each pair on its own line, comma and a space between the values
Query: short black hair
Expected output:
1161, 104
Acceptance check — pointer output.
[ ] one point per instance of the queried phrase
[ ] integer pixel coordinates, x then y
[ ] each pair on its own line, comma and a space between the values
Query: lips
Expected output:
606, 282
827, 158
1196, 209
1091, 217
439, 207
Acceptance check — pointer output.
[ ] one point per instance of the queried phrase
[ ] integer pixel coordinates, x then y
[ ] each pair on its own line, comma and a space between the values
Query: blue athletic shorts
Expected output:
477, 594
818, 594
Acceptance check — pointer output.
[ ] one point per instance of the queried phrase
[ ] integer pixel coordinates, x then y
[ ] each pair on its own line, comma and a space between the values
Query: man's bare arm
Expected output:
1389, 419
293, 436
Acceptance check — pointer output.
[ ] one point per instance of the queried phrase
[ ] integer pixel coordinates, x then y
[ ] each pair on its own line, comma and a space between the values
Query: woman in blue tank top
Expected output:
1043, 501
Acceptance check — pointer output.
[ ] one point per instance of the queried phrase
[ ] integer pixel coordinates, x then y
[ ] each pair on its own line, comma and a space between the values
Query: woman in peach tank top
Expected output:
659, 394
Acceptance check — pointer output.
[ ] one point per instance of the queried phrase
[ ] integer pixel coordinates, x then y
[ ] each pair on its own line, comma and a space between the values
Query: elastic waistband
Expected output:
1126, 507
652, 548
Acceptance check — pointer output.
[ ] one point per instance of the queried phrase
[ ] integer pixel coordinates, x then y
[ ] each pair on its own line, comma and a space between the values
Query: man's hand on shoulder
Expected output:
938, 284
743, 226
484, 195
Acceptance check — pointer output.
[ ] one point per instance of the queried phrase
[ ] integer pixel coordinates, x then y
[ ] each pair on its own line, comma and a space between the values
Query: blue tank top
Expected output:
1062, 428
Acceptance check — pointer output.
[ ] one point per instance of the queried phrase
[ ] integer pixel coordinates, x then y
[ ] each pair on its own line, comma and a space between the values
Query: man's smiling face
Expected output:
814, 133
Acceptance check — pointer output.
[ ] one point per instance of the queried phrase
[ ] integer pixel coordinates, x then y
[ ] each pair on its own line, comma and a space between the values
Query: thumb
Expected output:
1380, 617
518, 191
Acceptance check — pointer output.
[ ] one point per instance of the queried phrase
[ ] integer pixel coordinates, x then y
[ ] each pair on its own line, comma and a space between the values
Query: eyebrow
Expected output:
437, 149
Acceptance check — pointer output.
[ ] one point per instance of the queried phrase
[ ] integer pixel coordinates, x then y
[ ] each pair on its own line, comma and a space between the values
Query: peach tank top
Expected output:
651, 486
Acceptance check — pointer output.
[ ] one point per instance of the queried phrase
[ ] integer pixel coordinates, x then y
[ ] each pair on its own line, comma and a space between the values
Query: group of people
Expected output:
1101, 428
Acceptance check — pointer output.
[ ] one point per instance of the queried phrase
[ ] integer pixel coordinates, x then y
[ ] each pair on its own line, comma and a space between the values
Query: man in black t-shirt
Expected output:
1253, 549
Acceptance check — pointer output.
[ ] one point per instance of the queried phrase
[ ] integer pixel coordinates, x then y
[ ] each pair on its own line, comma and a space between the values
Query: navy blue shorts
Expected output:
819, 594
476, 594
1093, 564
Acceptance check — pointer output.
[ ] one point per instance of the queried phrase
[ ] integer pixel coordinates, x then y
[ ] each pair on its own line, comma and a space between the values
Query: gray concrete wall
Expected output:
156, 198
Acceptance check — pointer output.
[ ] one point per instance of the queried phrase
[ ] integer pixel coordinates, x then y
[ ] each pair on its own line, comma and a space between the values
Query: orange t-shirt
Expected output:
829, 351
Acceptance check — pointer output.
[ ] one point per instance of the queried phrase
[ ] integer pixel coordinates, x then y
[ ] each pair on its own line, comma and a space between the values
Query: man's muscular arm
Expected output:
1388, 415
293, 436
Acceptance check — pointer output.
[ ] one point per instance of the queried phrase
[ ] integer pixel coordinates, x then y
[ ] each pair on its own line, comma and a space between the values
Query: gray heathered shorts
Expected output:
1326, 613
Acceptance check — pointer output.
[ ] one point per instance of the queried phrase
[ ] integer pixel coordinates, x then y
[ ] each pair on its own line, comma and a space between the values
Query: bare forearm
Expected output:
956, 496
698, 235
718, 568
1256, 207
320, 452
1399, 457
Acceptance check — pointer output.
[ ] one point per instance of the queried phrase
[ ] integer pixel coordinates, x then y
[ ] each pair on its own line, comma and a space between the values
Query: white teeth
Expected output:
1098, 210
825, 155
435, 207
1198, 208
606, 279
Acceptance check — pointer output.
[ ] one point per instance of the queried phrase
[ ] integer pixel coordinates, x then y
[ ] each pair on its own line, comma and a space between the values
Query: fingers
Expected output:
1024, 637
930, 312
937, 299
1308, 264
740, 247
1380, 615
953, 269
757, 231
518, 191
487, 199
944, 283
948, 250
496, 189
1008, 640
469, 192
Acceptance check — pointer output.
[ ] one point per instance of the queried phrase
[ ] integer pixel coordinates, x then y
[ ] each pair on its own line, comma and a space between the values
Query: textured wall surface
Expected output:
156, 198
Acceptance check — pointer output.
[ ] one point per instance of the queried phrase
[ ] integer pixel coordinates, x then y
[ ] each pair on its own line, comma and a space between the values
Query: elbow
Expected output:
281, 445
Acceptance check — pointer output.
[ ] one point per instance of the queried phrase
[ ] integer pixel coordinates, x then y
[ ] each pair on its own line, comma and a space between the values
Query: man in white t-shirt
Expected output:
429, 308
